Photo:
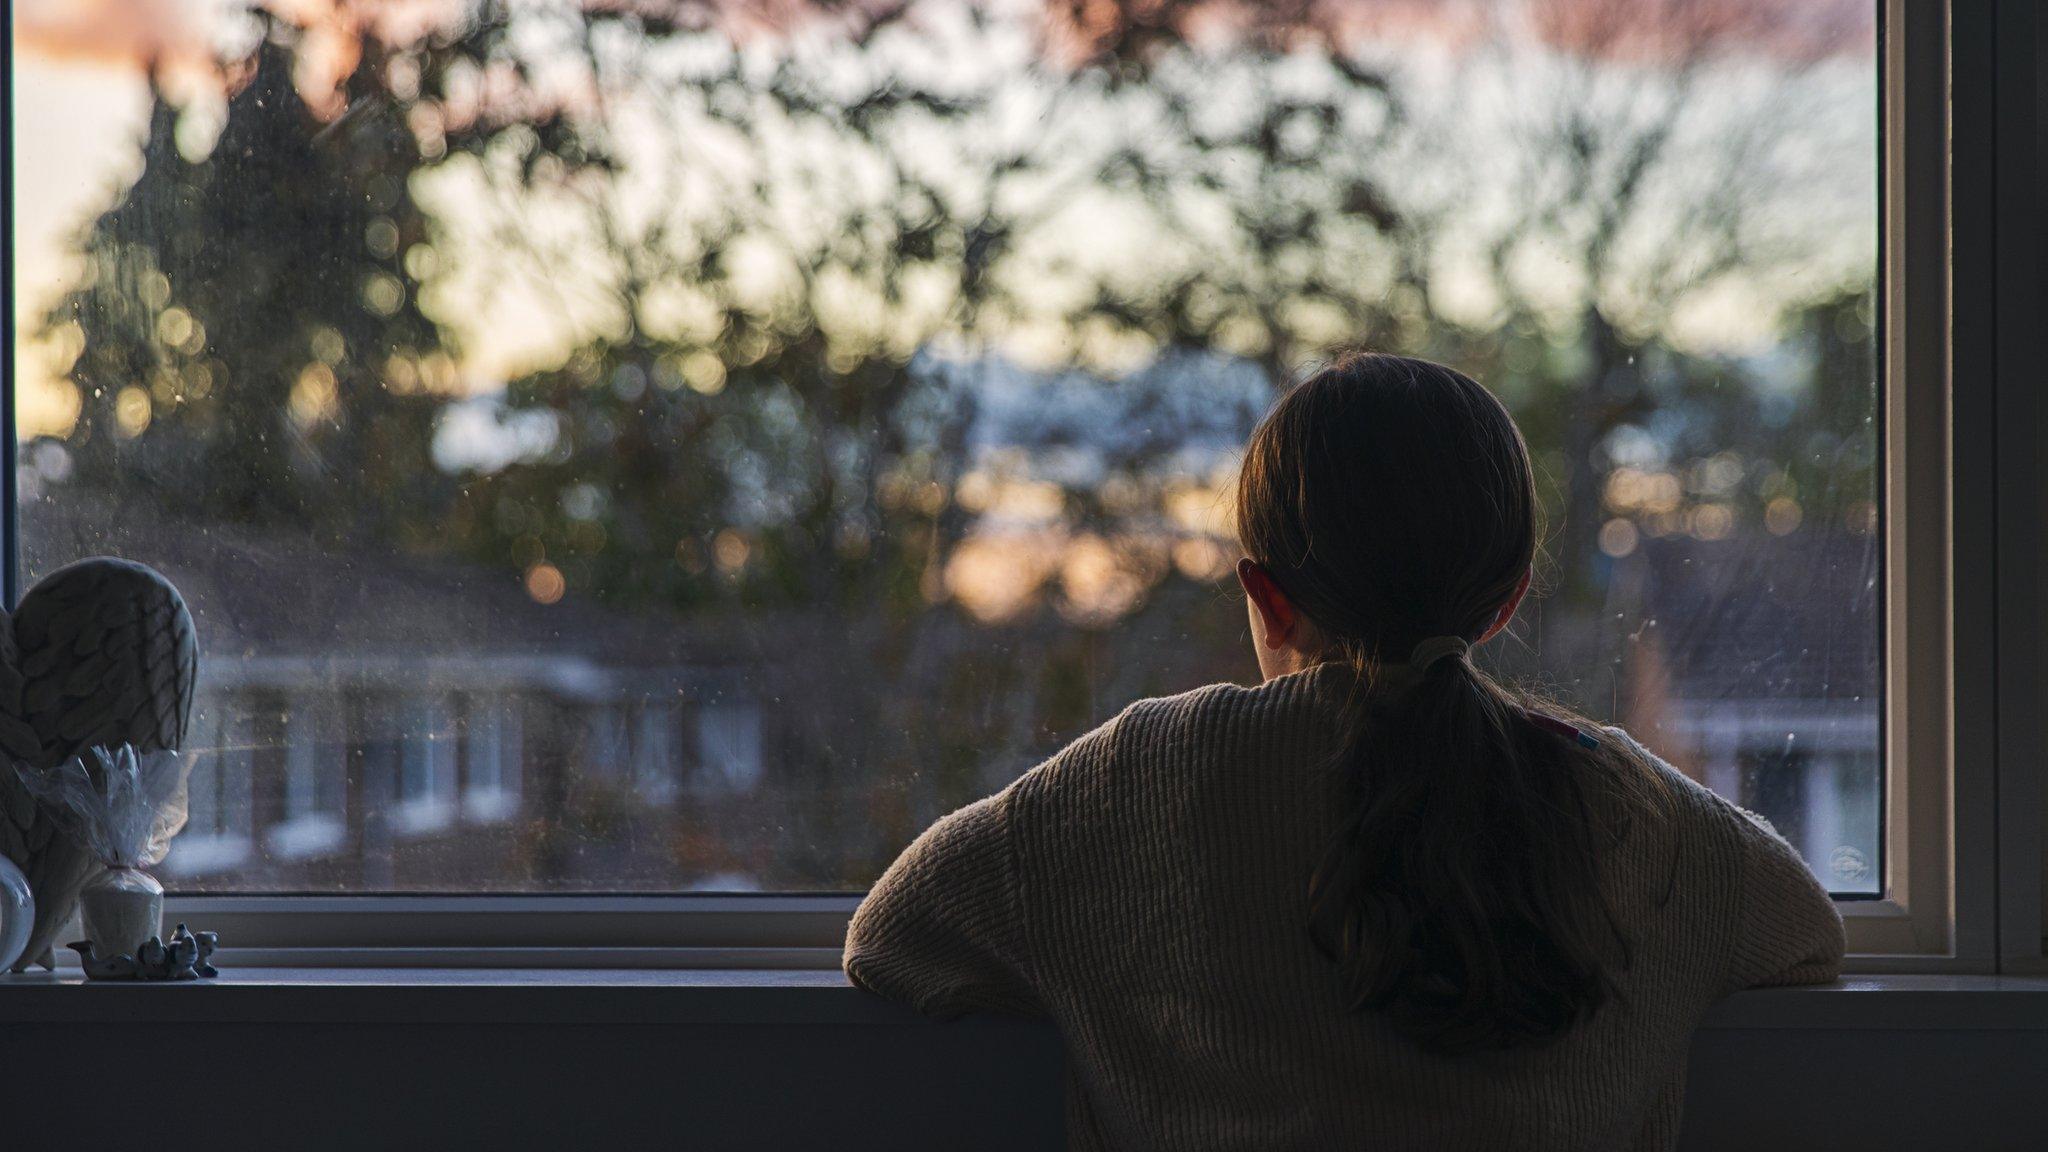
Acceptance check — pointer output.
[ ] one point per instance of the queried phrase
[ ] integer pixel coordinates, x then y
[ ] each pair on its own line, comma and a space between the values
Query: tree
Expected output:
245, 315
1653, 150
794, 259
767, 411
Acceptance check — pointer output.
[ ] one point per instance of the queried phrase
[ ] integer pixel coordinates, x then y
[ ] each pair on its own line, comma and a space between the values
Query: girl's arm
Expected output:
942, 930
1787, 928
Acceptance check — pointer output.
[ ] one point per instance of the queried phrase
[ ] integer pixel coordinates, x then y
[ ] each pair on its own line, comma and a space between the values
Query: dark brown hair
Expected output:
1392, 501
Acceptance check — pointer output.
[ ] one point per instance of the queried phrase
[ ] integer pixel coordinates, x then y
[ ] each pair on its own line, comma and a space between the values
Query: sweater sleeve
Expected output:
1787, 929
942, 931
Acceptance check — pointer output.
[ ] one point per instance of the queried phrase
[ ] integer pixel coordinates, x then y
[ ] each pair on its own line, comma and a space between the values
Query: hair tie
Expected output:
1558, 727
1436, 648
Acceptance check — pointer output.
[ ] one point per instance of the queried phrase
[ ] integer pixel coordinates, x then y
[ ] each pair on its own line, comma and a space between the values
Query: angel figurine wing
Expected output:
99, 653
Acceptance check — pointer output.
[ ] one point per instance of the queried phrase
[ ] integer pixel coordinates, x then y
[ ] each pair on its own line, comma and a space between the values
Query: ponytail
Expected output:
1461, 895
1392, 501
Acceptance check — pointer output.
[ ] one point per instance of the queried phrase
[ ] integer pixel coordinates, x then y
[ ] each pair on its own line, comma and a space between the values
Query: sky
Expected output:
82, 101
75, 129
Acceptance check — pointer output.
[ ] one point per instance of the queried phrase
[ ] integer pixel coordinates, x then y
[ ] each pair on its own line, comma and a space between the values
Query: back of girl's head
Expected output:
1392, 500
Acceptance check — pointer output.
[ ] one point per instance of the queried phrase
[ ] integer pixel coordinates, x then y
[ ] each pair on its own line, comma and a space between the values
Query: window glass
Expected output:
314, 817
691, 447
654, 762
426, 766
220, 801
729, 746
493, 765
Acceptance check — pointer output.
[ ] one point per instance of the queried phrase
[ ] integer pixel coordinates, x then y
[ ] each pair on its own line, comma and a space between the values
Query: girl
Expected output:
1380, 901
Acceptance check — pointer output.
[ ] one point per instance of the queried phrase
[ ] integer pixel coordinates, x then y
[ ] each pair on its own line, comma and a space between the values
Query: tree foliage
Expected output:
792, 254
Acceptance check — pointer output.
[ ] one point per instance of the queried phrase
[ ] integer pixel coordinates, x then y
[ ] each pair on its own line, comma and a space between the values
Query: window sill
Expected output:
1892, 1002
719, 924
424, 817
490, 806
307, 837
456, 995
755, 996
200, 855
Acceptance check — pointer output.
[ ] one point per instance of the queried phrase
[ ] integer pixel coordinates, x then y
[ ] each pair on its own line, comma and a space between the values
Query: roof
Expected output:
280, 596
1756, 616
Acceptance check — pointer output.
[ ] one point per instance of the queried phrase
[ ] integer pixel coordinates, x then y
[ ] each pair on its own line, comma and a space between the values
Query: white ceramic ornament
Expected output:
17, 913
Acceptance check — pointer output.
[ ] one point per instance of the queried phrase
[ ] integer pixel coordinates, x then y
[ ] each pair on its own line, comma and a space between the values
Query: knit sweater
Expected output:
1147, 890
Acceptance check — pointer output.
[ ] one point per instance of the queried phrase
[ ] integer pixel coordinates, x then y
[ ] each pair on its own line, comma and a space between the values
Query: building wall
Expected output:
299, 786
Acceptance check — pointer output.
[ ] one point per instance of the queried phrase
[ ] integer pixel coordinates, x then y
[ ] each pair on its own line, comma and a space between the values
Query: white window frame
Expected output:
432, 812
500, 714
657, 770
1965, 728
608, 730
728, 766
307, 830
225, 748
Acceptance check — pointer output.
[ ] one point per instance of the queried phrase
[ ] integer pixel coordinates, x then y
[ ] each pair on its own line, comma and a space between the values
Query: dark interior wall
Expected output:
533, 1067
1812, 1089
365, 1088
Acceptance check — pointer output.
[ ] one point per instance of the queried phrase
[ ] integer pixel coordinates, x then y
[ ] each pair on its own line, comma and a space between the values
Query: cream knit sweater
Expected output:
1146, 889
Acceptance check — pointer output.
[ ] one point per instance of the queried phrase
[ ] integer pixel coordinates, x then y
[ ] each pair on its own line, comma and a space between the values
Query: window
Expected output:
610, 755
493, 761
711, 450
315, 818
219, 800
729, 746
654, 752
426, 767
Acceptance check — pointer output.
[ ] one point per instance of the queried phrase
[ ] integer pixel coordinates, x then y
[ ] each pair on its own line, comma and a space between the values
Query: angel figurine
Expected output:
98, 654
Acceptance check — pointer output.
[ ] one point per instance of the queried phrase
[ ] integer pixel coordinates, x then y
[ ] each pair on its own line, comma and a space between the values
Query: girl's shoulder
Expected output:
1695, 802
1172, 741
1222, 719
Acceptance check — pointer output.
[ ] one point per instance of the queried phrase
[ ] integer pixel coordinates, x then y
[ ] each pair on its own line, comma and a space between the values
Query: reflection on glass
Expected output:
314, 820
611, 452
493, 764
219, 800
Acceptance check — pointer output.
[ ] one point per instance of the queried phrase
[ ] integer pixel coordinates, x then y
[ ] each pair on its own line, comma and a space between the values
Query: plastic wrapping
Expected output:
123, 808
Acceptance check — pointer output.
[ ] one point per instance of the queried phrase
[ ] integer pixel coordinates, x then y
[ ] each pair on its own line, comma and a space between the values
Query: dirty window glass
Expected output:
692, 446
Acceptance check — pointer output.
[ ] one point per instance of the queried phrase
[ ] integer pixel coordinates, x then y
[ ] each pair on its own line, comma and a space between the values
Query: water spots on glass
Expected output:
708, 488
545, 584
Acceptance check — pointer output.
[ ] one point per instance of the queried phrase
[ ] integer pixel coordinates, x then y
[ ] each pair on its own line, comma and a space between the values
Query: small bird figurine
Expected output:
99, 653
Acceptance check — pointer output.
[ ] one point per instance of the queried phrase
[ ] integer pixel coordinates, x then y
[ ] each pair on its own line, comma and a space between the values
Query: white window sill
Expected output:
198, 855
724, 925
494, 806
660, 793
304, 837
423, 817
724, 882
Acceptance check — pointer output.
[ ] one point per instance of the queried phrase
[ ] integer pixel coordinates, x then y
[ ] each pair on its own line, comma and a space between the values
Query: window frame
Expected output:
502, 716
2007, 258
229, 771
1922, 916
309, 829
1964, 736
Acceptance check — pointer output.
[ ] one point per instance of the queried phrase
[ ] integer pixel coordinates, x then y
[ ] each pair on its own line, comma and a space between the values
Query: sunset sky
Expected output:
81, 101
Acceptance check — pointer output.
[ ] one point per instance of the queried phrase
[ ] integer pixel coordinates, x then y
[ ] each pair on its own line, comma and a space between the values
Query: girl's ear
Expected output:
1277, 615
1507, 610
